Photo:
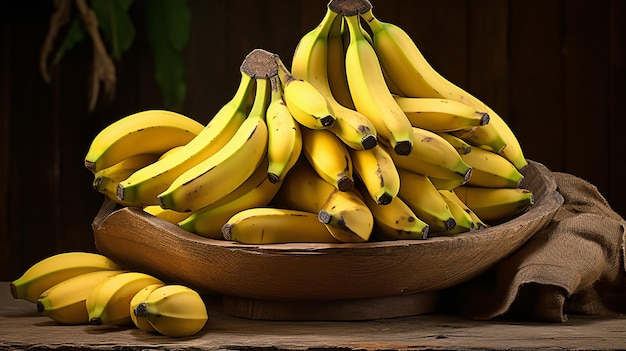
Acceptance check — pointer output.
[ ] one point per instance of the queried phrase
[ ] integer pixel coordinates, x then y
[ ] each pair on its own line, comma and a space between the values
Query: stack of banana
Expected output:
75, 288
361, 140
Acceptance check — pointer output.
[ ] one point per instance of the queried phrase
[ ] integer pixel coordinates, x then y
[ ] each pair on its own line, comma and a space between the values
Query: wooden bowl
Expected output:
320, 281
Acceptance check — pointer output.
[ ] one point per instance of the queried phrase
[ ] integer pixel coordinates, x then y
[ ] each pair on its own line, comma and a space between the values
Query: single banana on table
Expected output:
271, 225
310, 62
284, 143
415, 77
496, 205
441, 115
491, 170
143, 186
65, 302
145, 132
142, 322
56, 268
173, 310
424, 200
368, 88
376, 169
329, 157
108, 302
221, 173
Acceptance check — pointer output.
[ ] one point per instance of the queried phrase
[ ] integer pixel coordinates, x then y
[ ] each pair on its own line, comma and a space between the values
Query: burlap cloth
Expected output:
573, 266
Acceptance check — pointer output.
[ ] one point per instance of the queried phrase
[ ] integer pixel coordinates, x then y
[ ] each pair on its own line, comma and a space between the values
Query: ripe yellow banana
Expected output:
464, 221
141, 322
221, 173
56, 268
433, 156
109, 301
306, 103
256, 191
415, 77
269, 225
65, 301
106, 180
329, 157
284, 143
370, 93
461, 146
452, 196
143, 186
348, 212
491, 170
395, 220
441, 115
146, 132
338, 39
376, 169
494, 205
424, 200
310, 62
174, 310
166, 214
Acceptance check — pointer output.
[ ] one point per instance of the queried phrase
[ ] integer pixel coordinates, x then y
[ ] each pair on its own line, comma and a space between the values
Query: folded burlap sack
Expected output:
575, 265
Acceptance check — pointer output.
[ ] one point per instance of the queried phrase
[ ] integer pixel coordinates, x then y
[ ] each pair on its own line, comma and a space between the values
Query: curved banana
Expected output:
269, 225
65, 301
107, 180
461, 146
166, 214
221, 173
143, 186
174, 310
433, 156
284, 143
256, 191
347, 211
329, 157
495, 205
491, 170
306, 103
141, 322
338, 39
440, 115
311, 61
452, 196
145, 132
56, 268
407, 67
370, 93
425, 201
395, 220
376, 169
464, 221
109, 301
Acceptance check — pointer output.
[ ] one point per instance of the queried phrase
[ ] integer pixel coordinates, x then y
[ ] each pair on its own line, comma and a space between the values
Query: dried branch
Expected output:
59, 19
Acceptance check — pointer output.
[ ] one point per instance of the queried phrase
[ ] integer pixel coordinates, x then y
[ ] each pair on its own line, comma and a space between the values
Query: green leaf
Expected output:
168, 24
115, 24
75, 34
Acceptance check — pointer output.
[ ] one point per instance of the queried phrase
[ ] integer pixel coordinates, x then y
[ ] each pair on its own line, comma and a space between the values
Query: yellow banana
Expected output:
143, 186
109, 301
338, 37
56, 268
347, 211
146, 132
464, 221
310, 62
174, 310
221, 173
495, 205
461, 146
376, 169
424, 200
407, 67
65, 301
440, 115
284, 142
452, 196
269, 225
141, 322
166, 214
329, 157
491, 170
370, 93
433, 156
395, 220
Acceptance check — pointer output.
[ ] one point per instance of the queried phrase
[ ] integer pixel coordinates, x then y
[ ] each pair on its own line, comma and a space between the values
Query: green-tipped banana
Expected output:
453, 197
441, 115
491, 170
464, 221
54, 269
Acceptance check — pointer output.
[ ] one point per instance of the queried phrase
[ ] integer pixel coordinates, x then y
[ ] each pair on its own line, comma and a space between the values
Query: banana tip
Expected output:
369, 142
403, 148
95, 321
273, 178
141, 310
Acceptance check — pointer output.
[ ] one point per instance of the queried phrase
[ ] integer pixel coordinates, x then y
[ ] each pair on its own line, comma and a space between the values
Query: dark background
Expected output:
554, 69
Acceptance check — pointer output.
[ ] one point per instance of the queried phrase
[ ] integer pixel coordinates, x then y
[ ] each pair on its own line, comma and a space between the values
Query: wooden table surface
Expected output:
21, 327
